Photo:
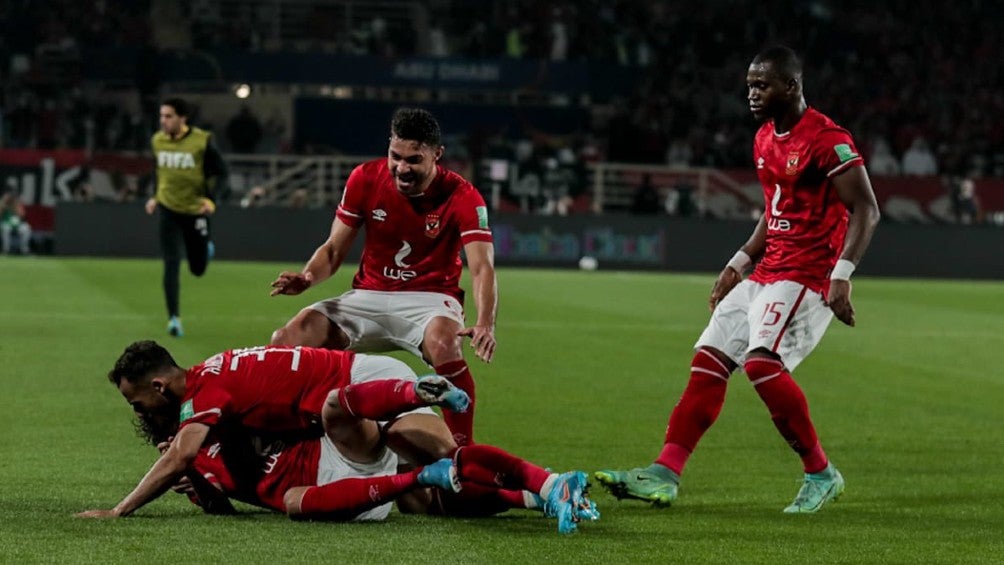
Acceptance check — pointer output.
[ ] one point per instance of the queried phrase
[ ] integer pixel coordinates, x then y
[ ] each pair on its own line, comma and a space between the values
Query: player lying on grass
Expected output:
338, 396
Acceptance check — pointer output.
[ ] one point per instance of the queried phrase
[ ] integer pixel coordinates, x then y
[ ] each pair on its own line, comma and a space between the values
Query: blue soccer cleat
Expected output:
817, 489
435, 390
442, 474
567, 501
210, 251
174, 327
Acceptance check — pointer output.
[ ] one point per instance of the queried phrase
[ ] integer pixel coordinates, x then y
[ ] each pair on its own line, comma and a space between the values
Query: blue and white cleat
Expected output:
174, 327
817, 489
567, 500
442, 474
435, 390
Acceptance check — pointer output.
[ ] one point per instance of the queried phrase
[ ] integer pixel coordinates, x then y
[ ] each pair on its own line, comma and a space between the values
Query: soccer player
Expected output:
189, 171
406, 294
300, 391
812, 176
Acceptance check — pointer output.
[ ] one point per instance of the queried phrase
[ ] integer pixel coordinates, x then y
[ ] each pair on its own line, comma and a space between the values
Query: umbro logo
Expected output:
379, 215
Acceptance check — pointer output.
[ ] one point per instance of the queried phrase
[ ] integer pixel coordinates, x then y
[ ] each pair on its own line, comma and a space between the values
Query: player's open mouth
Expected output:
755, 107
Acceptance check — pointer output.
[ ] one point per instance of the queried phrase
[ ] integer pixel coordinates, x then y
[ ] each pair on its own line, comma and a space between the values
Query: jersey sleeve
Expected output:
207, 406
351, 209
473, 217
835, 152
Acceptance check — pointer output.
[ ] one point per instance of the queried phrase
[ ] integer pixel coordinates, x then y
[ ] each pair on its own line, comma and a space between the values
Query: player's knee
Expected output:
762, 365
280, 337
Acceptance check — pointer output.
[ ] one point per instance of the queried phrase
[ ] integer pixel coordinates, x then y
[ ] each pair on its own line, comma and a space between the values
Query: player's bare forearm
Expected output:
480, 262
757, 242
164, 473
855, 191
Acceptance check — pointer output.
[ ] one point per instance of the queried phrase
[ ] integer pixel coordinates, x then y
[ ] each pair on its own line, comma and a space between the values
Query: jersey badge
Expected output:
792, 168
379, 215
482, 212
759, 163
432, 225
844, 152
186, 411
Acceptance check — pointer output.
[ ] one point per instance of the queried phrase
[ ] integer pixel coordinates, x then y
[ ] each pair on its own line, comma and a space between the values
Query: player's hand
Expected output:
151, 205
727, 280
99, 514
163, 446
184, 486
482, 340
291, 283
206, 207
839, 300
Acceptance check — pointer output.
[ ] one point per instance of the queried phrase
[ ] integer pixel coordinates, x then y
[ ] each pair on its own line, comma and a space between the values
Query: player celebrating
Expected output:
296, 390
406, 293
812, 176
190, 169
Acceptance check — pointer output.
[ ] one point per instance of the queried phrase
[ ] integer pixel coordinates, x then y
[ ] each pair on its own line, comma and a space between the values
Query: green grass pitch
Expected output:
909, 405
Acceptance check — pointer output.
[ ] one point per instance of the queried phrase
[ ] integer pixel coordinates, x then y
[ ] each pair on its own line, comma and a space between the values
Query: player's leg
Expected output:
197, 239
170, 235
312, 329
350, 490
443, 349
720, 345
564, 495
787, 323
420, 438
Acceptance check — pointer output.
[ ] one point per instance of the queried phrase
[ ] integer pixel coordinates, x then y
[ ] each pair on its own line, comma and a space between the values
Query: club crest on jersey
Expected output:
432, 225
792, 167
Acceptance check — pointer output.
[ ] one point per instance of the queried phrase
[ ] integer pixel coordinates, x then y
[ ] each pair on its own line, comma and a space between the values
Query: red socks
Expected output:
697, 409
462, 425
788, 410
379, 400
489, 465
346, 498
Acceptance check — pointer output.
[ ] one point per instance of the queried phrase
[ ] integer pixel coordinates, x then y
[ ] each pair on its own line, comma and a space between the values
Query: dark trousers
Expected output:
177, 229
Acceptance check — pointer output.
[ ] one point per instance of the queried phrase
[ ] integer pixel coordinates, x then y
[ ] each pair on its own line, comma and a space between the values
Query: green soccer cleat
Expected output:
817, 489
655, 484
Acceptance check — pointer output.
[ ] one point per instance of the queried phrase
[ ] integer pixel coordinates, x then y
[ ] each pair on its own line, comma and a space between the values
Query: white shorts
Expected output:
388, 321
333, 466
784, 317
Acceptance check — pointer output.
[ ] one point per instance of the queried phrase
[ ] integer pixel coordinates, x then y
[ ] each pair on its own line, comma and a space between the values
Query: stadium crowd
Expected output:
919, 102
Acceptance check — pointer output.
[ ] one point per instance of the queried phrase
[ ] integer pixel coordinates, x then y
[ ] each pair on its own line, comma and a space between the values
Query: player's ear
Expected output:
158, 385
439, 153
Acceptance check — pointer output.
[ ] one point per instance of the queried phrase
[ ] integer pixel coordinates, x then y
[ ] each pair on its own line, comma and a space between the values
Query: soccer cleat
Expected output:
566, 499
655, 484
439, 391
817, 489
442, 474
210, 251
174, 327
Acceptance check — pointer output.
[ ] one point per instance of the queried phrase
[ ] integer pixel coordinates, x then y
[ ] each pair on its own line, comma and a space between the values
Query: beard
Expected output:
157, 428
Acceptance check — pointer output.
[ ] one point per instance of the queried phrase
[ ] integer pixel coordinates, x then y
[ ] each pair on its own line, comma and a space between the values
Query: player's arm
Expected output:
164, 473
322, 264
481, 264
855, 191
217, 174
151, 203
732, 274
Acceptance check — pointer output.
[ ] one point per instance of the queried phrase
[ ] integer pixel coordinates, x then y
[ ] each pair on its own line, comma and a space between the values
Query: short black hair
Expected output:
783, 59
139, 362
180, 106
415, 124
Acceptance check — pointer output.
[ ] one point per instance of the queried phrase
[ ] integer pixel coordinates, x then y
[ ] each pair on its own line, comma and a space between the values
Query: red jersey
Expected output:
806, 221
412, 243
264, 480
272, 389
